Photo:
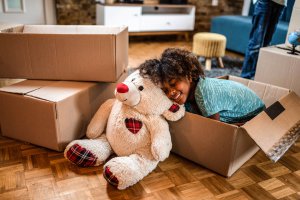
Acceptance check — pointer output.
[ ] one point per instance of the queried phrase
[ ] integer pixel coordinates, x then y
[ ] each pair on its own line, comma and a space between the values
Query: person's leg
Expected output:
276, 11
260, 19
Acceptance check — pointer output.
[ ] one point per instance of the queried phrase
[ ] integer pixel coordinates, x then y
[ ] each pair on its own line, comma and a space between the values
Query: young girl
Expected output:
179, 73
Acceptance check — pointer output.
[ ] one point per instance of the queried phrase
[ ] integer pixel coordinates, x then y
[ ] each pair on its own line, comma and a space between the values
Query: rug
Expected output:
232, 66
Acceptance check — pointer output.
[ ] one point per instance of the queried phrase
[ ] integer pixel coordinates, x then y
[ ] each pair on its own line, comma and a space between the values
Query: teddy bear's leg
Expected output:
88, 152
123, 172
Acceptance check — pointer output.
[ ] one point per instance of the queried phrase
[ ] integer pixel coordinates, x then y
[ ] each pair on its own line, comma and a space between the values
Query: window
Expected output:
13, 6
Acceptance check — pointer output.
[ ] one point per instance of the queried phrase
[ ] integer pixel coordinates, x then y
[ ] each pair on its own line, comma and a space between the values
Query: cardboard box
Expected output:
51, 113
223, 147
275, 66
64, 52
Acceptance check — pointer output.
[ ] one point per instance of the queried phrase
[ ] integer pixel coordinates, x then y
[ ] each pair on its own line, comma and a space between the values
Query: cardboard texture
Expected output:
61, 52
51, 113
275, 66
223, 147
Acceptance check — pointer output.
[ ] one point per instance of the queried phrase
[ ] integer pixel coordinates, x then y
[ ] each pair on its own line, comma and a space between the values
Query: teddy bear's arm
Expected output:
175, 112
99, 120
161, 143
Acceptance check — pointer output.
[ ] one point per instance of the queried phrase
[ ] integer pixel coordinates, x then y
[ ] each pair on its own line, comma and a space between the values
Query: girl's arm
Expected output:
217, 117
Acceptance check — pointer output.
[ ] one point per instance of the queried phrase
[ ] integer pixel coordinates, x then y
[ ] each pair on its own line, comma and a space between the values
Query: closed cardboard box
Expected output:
275, 66
50, 113
224, 148
63, 52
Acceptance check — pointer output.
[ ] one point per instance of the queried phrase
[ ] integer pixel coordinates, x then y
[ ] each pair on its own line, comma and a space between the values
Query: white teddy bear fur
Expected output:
138, 150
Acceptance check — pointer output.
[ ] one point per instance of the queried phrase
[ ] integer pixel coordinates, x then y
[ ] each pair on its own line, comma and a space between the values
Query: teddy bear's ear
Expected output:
175, 112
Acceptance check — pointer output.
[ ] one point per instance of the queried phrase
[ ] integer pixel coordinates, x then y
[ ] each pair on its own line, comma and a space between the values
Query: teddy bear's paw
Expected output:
175, 112
81, 156
108, 175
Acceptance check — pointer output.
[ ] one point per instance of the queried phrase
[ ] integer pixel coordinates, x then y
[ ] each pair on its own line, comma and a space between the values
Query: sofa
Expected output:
237, 28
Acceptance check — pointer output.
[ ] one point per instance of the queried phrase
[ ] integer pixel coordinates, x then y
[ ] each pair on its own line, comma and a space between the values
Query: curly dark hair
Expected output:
174, 63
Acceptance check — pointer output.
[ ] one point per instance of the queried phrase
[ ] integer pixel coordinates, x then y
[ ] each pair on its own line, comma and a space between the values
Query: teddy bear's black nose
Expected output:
122, 88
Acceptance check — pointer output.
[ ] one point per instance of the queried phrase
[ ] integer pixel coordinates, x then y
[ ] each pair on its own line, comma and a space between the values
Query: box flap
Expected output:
59, 90
72, 29
25, 87
8, 28
278, 127
47, 90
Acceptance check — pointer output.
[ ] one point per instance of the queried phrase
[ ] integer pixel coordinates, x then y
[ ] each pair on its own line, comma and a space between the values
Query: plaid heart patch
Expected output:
174, 108
133, 125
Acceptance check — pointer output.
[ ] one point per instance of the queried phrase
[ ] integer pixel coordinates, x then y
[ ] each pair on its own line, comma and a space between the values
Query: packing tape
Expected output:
274, 110
284, 143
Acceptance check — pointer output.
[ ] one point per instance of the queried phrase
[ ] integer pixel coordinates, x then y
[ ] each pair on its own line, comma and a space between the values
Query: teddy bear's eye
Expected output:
133, 79
141, 88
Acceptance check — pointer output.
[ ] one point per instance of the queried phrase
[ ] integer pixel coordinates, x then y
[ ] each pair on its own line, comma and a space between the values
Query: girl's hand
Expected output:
239, 124
215, 116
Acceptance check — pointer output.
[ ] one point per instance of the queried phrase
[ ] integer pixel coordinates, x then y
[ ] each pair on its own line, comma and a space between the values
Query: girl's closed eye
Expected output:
165, 90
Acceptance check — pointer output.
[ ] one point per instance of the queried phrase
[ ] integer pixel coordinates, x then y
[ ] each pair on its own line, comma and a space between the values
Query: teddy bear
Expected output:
136, 131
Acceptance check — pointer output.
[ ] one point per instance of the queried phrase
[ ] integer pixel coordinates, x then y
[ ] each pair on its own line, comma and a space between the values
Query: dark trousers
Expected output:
265, 19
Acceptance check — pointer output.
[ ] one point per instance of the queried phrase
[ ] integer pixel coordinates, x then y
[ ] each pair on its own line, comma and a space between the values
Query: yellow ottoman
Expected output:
209, 45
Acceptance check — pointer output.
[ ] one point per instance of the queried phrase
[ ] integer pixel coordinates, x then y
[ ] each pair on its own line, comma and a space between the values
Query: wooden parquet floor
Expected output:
31, 172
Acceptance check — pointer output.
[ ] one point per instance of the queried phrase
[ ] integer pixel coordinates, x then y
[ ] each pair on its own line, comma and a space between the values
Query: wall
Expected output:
76, 12
205, 11
33, 12
84, 12
295, 21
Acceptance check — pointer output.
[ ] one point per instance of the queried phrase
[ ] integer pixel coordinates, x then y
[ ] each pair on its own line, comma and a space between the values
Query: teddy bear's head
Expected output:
144, 96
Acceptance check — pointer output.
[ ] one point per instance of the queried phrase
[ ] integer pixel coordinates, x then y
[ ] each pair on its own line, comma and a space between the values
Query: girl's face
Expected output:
177, 89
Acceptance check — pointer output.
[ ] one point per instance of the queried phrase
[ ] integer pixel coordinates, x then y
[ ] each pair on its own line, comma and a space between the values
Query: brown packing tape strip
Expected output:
284, 143
274, 110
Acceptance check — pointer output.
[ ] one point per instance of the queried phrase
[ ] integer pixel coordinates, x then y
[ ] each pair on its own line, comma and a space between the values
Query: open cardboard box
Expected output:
224, 148
51, 113
63, 52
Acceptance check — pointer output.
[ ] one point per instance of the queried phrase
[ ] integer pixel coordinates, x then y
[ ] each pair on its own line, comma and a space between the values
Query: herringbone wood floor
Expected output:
31, 172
